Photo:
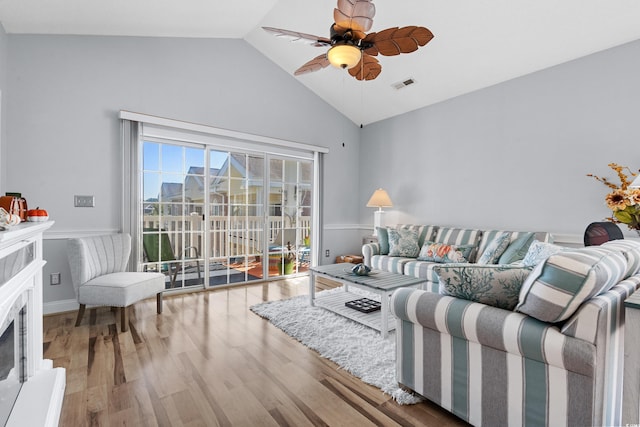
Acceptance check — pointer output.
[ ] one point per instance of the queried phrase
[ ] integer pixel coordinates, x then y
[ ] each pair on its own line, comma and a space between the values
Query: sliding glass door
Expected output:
290, 198
245, 216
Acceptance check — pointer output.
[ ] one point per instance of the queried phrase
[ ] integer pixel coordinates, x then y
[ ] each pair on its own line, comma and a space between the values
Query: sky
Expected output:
170, 163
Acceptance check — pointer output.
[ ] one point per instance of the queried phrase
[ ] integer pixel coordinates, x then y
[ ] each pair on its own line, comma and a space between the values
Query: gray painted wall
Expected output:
515, 155
3, 109
64, 95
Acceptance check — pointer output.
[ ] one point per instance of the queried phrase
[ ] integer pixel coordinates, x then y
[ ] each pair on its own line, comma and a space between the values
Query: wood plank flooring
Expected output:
209, 361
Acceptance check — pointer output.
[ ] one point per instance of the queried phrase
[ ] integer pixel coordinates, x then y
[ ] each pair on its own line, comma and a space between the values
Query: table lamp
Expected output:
380, 199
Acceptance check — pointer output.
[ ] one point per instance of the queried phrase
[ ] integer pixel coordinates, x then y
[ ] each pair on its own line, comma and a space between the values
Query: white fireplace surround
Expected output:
40, 400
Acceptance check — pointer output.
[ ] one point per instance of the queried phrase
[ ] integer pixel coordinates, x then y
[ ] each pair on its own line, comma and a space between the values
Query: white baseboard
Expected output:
61, 306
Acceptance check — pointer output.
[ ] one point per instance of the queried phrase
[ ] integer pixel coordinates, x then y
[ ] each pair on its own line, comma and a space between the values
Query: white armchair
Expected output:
99, 278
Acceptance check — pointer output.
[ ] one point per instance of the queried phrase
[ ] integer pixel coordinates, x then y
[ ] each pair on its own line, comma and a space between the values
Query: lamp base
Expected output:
378, 221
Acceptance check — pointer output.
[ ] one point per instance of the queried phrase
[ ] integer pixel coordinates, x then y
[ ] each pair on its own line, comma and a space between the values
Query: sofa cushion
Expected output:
558, 286
495, 285
495, 248
631, 251
403, 242
539, 251
392, 264
441, 252
517, 249
425, 232
459, 237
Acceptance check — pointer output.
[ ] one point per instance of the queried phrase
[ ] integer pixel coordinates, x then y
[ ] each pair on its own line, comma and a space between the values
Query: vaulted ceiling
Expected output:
478, 43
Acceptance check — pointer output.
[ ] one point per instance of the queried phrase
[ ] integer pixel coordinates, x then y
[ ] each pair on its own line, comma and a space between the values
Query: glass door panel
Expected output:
236, 215
289, 216
172, 232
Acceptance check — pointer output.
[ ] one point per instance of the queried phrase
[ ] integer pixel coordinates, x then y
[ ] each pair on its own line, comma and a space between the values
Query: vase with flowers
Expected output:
623, 199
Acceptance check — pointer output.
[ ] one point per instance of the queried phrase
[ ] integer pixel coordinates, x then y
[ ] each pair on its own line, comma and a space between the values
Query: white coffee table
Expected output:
378, 282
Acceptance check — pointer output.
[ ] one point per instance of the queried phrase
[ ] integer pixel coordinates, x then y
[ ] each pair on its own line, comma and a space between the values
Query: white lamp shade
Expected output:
635, 183
344, 56
379, 199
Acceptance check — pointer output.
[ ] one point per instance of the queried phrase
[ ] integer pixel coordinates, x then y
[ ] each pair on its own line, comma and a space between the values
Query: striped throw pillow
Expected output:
558, 286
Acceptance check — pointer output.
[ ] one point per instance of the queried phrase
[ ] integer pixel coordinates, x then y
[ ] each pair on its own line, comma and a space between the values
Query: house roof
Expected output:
477, 43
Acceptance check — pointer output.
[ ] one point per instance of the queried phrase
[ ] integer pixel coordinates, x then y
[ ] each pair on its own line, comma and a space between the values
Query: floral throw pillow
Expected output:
495, 285
540, 251
441, 252
495, 248
403, 243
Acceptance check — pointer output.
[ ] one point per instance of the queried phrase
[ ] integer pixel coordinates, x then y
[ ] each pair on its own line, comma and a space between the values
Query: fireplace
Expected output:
31, 390
13, 358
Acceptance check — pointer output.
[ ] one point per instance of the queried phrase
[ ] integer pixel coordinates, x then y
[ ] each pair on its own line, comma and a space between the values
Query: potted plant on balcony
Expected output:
285, 266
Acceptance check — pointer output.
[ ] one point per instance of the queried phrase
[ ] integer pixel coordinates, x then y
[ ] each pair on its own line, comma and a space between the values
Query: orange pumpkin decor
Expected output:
37, 215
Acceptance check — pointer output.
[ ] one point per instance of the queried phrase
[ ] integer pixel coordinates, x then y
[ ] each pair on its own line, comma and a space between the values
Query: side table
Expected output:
369, 239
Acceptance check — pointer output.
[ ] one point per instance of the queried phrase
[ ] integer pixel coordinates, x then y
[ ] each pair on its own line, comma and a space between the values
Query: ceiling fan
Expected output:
351, 47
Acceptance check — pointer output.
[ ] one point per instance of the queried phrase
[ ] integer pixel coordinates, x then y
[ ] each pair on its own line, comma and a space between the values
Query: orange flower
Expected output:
617, 200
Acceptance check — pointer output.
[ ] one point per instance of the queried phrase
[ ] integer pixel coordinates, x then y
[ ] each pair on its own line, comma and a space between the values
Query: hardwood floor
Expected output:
209, 361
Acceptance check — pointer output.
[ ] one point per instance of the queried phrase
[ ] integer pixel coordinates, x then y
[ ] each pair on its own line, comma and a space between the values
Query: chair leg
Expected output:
159, 302
123, 319
80, 314
176, 269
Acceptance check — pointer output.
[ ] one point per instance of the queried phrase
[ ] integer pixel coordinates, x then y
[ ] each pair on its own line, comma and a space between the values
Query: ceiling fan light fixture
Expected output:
344, 55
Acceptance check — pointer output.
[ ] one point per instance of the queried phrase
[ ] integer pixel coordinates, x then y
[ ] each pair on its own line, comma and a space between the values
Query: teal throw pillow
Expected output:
441, 252
495, 248
403, 243
494, 285
517, 250
383, 239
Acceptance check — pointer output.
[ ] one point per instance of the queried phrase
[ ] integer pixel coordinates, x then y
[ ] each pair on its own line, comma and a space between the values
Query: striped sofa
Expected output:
555, 360
378, 258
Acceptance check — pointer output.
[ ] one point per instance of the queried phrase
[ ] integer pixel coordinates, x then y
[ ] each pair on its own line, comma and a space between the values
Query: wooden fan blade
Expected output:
295, 36
394, 41
354, 15
317, 63
367, 69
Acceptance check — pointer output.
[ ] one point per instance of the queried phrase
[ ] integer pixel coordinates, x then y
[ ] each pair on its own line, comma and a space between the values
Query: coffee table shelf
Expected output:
335, 302
380, 283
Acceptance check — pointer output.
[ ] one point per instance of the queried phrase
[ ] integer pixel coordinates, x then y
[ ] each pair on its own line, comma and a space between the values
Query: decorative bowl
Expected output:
360, 270
41, 218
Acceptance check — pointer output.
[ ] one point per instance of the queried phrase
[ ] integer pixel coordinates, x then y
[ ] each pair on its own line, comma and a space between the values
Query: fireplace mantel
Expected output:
40, 399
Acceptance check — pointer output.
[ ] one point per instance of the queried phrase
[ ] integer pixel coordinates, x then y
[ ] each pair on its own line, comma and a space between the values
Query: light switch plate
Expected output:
84, 201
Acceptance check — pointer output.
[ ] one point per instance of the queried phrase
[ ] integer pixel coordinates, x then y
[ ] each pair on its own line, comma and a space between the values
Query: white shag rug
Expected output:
356, 348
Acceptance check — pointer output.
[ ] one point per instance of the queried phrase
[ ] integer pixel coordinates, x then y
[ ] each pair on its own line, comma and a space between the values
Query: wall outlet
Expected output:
84, 201
326, 253
54, 278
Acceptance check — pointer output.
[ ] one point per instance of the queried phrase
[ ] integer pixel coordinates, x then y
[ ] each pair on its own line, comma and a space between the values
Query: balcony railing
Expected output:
228, 236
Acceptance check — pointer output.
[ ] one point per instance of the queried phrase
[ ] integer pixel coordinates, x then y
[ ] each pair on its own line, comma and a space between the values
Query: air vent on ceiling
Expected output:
404, 83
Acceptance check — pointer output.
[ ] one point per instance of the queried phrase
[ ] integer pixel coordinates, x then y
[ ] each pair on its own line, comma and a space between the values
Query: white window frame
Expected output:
135, 126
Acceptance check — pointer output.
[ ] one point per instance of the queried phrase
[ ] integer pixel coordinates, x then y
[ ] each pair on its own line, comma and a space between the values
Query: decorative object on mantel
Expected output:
379, 199
8, 219
37, 215
624, 199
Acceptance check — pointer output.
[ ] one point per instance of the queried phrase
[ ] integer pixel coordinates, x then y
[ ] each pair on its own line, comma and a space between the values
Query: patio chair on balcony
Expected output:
158, 249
